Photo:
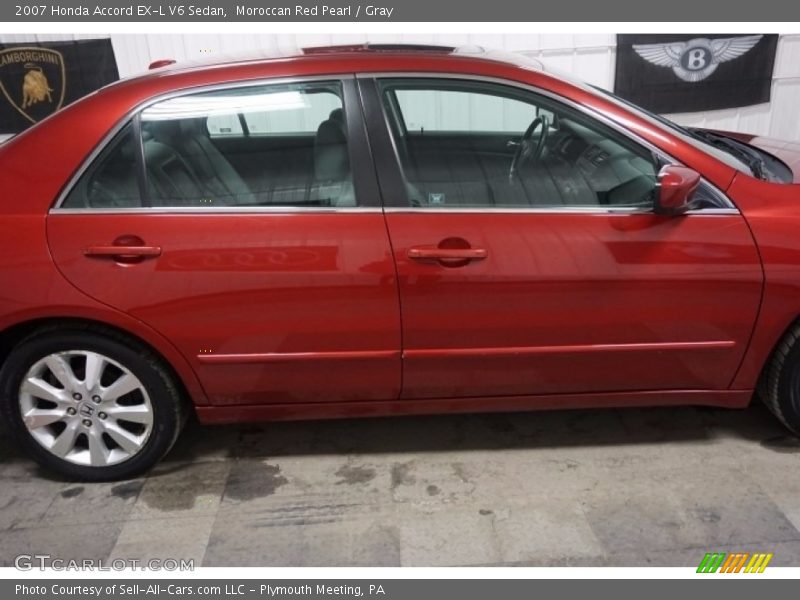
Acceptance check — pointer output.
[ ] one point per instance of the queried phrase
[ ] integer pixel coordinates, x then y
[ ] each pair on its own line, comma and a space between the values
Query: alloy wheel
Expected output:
85, 408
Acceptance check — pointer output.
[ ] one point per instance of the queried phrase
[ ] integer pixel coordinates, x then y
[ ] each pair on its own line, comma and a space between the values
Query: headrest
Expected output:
173, 131
331, 162
337, 114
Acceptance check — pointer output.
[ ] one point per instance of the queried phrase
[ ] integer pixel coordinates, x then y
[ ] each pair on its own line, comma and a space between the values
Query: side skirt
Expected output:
339, 410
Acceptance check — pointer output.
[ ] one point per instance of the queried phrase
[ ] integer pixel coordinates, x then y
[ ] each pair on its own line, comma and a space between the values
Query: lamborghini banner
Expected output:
689, 73
38, 79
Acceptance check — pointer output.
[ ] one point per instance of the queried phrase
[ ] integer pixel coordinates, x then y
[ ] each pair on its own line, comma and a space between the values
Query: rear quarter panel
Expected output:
32, 289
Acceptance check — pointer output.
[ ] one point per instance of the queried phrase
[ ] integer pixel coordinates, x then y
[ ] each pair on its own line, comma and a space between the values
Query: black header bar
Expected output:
341, 11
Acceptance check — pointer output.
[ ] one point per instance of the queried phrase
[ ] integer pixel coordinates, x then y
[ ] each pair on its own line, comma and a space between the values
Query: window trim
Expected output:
368, 197
393, 181
139, 158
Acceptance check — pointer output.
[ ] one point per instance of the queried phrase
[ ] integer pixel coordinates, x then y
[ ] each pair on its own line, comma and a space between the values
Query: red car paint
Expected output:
546, 311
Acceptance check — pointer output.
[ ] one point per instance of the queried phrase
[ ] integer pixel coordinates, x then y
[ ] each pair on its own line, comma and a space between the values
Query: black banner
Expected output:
689, 73
37, 79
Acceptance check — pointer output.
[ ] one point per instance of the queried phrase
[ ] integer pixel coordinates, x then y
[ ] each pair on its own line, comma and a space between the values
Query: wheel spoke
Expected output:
44, 405
38, 417
95, 364
98, 451
62, 371
139, 413
124, 385
65, 441
129, 442
39, 388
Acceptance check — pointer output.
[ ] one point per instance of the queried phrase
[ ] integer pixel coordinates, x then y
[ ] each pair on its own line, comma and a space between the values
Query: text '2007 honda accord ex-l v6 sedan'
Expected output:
381, 230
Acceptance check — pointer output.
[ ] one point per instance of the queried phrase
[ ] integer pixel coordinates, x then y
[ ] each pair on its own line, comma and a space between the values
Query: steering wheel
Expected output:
529, 150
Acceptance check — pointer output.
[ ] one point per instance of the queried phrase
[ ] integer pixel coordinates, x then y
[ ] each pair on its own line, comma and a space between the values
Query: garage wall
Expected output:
589, 57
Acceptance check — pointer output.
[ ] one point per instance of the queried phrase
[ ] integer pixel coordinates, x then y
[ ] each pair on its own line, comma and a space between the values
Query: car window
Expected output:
476, 144
293, 118
110, 181
279, 145
455, 110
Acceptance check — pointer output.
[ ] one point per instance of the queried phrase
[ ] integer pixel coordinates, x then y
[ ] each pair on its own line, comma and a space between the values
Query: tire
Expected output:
779, 386
99, 406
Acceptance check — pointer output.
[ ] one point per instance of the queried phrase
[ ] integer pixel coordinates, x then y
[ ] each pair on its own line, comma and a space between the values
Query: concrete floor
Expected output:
634, 487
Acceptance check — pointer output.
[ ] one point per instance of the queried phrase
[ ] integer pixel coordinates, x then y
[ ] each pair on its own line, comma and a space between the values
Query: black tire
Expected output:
166, 401
779, 387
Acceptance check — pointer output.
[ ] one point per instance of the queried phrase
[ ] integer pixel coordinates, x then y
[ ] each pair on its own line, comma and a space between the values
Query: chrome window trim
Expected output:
217, 210
289, 210
580, 210
729, 206
187, 91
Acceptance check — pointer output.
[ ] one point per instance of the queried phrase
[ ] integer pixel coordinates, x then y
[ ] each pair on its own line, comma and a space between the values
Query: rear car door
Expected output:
244, 224
554, 276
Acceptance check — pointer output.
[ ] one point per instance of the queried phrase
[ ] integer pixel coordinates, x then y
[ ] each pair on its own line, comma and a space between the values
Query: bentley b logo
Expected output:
696, 59
33, 80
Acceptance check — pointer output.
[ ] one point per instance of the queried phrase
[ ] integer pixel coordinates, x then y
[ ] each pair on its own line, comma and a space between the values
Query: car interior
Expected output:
188, 167
574, 166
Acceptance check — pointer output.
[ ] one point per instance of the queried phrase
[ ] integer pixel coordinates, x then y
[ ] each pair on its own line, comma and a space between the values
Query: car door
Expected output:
244, 224
554, 276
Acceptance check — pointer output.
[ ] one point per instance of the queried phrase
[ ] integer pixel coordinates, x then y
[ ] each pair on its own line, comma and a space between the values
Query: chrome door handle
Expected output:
422, 253
123, 251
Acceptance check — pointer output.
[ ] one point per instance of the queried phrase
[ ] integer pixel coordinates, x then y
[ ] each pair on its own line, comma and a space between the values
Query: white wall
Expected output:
589, 57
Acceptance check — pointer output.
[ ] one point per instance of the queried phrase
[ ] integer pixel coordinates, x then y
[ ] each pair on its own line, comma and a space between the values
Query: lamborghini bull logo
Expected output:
35, 87
32, 80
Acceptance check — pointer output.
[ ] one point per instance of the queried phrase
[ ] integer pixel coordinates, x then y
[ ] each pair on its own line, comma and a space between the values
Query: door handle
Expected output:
423, 253
126, 249
123, 251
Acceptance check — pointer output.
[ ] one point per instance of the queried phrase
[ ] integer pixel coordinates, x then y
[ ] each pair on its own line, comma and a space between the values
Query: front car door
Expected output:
244, 224
542, 268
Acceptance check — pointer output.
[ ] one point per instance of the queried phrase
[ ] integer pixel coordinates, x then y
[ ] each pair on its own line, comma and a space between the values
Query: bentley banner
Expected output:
689, 73
38, 79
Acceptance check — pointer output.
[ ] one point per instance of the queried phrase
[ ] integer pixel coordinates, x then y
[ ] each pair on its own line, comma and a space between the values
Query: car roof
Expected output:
389, 51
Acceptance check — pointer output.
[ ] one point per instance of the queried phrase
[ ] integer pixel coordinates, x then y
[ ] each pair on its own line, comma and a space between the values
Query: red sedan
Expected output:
381, 230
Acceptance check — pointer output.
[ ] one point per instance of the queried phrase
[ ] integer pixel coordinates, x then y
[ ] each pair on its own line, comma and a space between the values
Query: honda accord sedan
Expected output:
381, 230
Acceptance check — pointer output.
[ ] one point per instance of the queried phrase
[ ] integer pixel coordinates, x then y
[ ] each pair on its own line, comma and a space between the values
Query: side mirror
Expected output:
676, 186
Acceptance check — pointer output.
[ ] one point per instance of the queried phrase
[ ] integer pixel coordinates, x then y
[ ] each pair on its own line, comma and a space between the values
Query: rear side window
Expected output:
110, 181
294, 117
281, 145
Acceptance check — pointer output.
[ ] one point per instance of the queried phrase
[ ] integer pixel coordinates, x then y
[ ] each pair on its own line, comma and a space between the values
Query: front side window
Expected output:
279, 145
474, 144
